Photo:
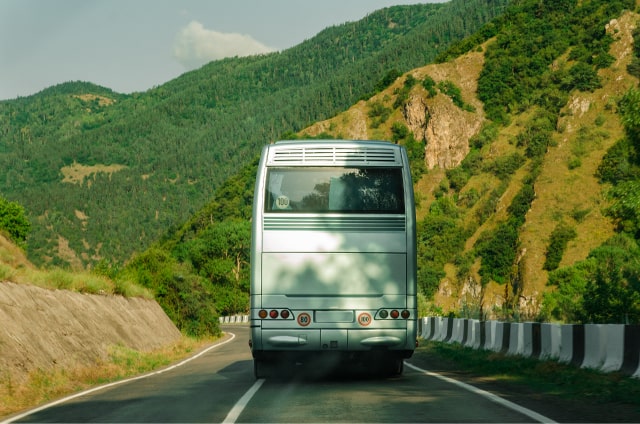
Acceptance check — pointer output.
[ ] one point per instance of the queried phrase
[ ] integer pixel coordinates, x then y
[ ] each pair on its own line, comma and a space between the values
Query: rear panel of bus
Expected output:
333, 250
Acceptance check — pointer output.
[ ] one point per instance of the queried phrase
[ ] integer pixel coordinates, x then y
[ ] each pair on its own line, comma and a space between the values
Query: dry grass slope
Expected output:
567, 189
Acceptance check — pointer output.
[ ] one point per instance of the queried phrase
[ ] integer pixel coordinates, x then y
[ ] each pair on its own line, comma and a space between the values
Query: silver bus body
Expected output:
333, 255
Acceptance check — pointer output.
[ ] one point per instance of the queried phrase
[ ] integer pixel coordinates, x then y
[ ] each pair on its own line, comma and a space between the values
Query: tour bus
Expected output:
333, 255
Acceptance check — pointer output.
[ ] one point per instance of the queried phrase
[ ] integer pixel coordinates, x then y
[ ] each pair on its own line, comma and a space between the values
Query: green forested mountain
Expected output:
538, 221
103, 175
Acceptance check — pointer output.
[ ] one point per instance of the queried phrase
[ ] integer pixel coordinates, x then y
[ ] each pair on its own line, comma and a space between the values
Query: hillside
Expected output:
103, 175
522, 140
567, 189
513, 217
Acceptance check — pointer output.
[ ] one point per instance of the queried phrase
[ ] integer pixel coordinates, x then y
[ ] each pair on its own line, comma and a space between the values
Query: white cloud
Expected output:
195, 45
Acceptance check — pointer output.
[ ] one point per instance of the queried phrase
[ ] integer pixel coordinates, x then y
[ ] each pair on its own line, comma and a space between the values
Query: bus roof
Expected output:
334, 153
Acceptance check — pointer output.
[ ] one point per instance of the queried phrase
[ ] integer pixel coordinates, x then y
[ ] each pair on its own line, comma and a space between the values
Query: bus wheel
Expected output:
393, 367
258, 368
396, 367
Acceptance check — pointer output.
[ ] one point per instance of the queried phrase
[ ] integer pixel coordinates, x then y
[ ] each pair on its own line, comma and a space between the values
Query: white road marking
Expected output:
494, 398
237, 409
115, 383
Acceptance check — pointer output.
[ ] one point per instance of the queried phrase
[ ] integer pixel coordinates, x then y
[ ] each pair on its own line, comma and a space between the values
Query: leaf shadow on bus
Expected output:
340, 278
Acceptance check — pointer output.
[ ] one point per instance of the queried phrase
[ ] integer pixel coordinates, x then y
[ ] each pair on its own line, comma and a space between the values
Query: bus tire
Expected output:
396, 367
258, 368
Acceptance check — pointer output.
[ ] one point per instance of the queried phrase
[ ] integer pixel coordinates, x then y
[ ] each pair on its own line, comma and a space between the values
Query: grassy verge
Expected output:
15, 267
83, 282
544, 377
45, 386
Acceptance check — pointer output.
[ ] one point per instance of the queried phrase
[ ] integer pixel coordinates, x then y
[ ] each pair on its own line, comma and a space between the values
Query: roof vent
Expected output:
378, 155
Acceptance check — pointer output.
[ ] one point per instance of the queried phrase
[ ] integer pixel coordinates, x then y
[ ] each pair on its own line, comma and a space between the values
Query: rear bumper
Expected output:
348, 342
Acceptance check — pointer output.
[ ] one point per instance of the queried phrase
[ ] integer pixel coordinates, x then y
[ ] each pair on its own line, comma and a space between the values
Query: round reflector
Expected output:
405, 314
284, 313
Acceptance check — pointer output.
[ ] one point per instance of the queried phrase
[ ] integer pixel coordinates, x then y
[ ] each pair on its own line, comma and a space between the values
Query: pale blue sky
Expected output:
133, 45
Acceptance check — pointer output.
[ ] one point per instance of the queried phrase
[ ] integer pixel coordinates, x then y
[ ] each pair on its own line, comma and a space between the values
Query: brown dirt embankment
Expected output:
45, 329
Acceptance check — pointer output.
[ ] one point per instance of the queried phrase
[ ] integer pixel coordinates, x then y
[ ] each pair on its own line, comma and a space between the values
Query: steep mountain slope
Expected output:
567, 189
104, 175
506, 136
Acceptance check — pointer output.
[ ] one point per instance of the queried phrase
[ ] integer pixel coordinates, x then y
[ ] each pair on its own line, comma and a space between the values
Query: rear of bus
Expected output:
333, 258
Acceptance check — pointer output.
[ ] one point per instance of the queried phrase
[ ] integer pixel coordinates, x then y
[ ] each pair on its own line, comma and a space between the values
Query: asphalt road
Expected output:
219, 386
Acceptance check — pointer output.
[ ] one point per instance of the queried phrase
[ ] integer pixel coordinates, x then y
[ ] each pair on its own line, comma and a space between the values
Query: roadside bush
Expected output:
185, 298
13, 221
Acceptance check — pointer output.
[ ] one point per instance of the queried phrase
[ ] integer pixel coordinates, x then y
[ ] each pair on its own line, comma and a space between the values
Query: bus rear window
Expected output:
340, 190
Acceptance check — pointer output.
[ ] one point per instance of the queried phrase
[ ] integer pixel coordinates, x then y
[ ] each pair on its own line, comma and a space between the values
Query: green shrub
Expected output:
13, 221
498, 252
505, 166
430, 85
185, 298
558, 241
448, 88
458, 178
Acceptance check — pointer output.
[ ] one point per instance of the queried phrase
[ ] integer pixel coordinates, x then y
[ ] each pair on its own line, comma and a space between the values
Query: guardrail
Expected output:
605, 347
234, 319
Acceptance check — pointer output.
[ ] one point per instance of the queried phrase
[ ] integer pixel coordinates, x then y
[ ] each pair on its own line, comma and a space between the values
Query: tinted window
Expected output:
349, 190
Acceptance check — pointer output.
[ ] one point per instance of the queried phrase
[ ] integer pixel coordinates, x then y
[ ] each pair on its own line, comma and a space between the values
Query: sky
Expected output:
133, 45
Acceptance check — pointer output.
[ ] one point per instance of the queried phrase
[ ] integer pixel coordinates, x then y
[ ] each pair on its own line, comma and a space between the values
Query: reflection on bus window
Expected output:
347, 190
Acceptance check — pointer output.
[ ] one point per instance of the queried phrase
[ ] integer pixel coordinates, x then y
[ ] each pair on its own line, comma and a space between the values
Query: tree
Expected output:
13, 220
557, 245
221, 253
625, 209
603, 289
185, 298
564, 302
612, 295
630, 112
498, 252
583, 77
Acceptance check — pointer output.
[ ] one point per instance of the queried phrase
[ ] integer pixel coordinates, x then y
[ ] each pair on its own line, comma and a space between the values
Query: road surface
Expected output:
219, 386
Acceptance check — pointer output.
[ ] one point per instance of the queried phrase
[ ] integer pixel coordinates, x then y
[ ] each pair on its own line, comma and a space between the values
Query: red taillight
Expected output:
405, 314
274, 314
395, 314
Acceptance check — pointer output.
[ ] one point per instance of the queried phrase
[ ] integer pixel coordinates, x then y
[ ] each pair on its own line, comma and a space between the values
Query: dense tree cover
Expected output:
200, 270
585, 292
532, 34
188, 149
176, 143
